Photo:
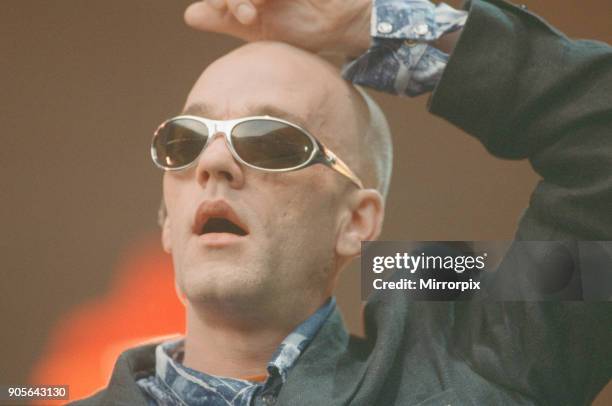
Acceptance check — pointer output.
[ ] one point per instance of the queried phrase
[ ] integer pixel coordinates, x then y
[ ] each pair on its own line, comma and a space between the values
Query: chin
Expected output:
222, 284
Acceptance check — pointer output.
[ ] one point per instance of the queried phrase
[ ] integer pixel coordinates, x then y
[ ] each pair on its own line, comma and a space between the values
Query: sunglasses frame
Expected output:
320, 153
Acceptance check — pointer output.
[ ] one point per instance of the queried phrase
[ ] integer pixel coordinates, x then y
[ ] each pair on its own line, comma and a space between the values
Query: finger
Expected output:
243, 10
218, 4
195, 15
258, 2
202, 16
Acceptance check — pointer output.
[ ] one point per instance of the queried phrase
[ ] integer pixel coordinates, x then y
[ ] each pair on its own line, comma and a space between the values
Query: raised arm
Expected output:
527, 91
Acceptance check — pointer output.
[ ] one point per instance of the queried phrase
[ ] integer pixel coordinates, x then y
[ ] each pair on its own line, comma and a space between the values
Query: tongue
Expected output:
221, 225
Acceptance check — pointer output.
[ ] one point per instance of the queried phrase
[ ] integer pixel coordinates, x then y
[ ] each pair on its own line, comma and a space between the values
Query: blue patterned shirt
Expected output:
176, 384
401, 59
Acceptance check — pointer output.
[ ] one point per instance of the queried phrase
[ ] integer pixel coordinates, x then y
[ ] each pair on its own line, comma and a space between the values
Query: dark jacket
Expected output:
525, 91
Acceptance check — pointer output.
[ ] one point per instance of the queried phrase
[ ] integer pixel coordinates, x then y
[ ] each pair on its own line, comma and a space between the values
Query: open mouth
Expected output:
219, 220
221, 225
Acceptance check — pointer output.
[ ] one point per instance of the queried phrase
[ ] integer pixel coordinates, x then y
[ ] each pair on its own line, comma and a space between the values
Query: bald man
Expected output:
276, 171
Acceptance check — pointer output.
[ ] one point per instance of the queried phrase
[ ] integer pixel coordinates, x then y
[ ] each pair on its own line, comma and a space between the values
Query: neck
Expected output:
224, 342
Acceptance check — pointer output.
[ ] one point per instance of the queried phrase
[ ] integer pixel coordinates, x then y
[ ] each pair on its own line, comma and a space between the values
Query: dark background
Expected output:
84, 84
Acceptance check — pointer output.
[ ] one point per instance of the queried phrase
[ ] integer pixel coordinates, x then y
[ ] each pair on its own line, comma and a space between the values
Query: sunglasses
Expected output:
265, 143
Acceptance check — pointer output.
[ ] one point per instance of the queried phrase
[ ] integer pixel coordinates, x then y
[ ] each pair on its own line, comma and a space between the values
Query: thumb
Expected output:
202, 16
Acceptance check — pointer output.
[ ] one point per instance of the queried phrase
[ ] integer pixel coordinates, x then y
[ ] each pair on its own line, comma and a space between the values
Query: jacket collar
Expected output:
327, 373
131, 365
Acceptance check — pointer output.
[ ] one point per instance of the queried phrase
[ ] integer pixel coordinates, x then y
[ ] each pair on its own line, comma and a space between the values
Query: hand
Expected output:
316, 25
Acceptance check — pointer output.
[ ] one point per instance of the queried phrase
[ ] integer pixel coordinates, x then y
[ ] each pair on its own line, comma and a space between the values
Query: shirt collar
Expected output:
177, 377
294, 344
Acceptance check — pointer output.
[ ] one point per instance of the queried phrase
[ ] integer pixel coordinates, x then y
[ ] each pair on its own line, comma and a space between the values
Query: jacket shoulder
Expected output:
122, 388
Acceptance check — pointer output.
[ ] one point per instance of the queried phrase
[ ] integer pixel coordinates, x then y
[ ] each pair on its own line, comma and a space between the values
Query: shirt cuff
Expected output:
401, 61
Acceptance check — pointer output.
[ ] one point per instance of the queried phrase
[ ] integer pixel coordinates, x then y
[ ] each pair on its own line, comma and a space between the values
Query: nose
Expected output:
216, 163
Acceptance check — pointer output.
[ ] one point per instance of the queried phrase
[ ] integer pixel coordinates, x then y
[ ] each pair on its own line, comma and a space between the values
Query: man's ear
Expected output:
362, 222
166, 239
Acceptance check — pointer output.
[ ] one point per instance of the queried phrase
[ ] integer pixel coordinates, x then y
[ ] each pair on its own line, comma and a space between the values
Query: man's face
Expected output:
291, 219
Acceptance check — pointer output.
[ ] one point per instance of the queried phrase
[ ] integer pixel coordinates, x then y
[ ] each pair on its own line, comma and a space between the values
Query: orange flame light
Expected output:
141, 305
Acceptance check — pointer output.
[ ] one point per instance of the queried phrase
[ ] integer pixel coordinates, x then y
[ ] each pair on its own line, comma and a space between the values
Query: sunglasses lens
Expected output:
179, 142
271, 144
